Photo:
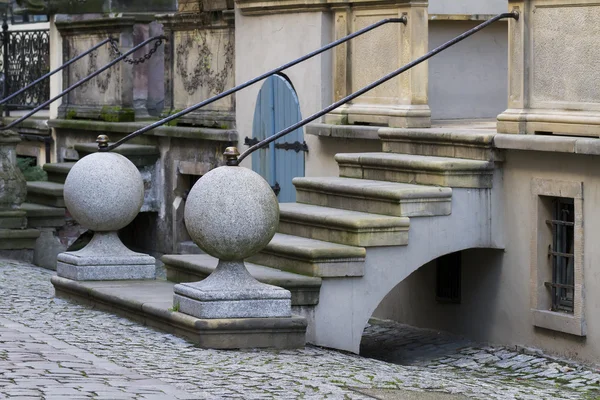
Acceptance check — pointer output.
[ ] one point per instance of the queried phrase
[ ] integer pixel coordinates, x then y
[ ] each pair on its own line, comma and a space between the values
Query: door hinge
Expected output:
251, 142
276, 188
296, 146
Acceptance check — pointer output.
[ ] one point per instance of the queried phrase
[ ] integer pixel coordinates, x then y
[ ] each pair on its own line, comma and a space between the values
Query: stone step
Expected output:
40, 216
46, 193
18, 239
195, 267
423, 170
57, 172
378, 197
139, 154
473, 144
352, 228
311, 257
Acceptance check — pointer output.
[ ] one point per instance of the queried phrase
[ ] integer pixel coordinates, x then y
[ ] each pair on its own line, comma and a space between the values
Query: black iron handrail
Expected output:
49, 74
277, 70
263, 143
82, 81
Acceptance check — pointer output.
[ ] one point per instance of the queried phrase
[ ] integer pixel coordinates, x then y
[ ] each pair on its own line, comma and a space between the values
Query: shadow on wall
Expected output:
415, 300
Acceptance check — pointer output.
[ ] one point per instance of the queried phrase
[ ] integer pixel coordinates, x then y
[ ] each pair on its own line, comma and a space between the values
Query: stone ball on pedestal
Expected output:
231, 213
104, 191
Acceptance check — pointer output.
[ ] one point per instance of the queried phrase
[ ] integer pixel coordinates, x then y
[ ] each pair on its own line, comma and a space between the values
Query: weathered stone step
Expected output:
18, 239
378, 197
311, 257
46, 193
195, 267
473, 144
40, 216
423, 170
57, 172
139, 154
352, 228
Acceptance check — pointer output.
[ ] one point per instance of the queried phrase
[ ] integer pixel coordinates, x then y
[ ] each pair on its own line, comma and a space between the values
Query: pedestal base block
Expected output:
231, 292
105, 258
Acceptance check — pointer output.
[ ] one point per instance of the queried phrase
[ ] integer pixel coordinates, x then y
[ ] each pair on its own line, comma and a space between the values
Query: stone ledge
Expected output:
545, 143
352, 228
195, 267
344, 131
417, 169
18, 239
311, 257
559, 322
183, 132
377, 197
263, 7
150, 303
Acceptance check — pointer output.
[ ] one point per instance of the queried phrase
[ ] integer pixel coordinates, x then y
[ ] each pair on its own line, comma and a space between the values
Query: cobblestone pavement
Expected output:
52, 349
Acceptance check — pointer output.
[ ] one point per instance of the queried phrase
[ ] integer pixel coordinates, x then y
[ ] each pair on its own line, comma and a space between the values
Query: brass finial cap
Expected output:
231, 155
102, 141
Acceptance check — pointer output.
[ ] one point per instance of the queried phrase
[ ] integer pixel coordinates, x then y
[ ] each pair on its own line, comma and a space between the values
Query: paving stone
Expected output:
92, 354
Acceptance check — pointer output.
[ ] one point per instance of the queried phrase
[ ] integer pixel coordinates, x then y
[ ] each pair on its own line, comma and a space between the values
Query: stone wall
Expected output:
499, 288
120, 93
200, 63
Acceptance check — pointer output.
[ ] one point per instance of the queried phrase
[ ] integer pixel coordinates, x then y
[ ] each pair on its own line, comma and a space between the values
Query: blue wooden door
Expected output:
277, 108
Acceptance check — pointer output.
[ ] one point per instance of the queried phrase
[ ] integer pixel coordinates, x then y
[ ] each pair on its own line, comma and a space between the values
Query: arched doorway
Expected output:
277, 108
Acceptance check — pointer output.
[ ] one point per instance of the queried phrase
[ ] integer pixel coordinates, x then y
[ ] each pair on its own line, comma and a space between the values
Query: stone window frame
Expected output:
542, 192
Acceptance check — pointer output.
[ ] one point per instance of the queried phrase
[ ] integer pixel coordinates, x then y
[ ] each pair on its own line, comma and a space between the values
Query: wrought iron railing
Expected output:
233, 159
25, 55
254, 80
439, 49
121, 57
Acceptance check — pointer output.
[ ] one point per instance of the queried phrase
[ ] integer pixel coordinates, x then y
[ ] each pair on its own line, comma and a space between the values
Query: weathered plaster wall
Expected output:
496, 285
469, 80
265, 42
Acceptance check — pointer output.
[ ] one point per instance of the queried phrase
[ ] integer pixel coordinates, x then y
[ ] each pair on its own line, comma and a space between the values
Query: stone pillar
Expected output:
401, 102
199, 62
104, 192
109, 96
232, 213
554, 79
16, 241
13, 189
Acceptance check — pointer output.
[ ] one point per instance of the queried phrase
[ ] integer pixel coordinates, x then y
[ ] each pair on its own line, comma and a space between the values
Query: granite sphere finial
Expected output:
104, 191
231, 213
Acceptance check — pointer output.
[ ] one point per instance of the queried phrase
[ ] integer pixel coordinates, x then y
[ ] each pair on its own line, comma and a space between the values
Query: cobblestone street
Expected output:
53, 349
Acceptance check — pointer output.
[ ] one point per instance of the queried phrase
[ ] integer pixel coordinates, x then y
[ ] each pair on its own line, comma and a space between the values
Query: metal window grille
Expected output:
448, 280
562, 254
27, 58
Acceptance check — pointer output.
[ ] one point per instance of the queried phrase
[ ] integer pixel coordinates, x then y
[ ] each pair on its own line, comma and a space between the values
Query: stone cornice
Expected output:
262, 7
68, 26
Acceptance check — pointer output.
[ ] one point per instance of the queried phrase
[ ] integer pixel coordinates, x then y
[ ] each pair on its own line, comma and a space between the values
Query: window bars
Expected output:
562, 254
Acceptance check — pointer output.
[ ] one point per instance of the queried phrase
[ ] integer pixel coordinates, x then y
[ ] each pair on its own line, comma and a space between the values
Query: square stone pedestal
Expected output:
231, 292
105, 258
400, 102
553, 74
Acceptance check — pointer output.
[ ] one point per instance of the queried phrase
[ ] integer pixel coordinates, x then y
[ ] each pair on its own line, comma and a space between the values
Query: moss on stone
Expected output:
117, 114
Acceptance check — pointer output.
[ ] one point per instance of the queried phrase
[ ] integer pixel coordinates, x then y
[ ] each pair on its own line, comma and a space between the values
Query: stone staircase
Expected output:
45, 205
338, 221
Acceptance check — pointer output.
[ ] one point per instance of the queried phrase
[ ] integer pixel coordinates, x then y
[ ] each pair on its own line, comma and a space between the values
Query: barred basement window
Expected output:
448, 278
562, 253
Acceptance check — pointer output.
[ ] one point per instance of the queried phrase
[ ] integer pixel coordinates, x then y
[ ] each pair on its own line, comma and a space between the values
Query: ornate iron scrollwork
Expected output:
296, 146
28, 59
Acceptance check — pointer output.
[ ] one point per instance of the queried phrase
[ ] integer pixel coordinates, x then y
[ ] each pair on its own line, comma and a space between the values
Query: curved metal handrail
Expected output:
277, 70
263, 143
49, 74
82, 81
